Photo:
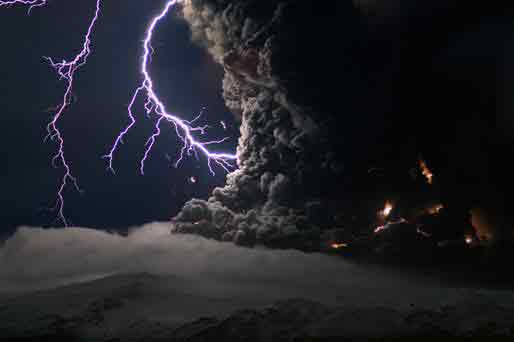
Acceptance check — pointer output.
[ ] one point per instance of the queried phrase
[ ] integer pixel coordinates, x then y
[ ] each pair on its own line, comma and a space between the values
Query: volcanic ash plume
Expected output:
287, 157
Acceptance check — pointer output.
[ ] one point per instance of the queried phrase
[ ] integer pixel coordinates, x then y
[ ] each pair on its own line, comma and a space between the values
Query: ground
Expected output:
144, 307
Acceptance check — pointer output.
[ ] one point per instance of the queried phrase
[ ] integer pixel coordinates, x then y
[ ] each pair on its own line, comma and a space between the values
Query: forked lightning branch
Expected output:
187, 132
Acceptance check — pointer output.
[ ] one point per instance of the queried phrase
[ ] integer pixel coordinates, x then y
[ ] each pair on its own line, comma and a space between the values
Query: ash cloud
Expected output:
326, 92
287, 156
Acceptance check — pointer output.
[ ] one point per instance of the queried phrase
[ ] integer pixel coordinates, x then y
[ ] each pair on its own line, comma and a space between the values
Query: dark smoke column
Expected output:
290, 77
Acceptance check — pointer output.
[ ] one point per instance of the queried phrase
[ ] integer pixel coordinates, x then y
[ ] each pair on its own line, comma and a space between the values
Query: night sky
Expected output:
186, 78
375, 143
430, 69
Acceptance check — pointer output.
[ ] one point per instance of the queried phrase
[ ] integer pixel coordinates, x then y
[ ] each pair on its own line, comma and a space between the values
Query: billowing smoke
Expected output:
328, 91
288, 165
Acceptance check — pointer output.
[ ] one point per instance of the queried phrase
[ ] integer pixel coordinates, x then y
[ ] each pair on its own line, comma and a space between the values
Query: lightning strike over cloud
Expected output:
184, 129
153, 104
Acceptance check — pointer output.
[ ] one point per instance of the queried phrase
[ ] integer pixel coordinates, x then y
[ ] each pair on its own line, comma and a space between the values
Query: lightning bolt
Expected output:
66, 71
153, 104
31, 3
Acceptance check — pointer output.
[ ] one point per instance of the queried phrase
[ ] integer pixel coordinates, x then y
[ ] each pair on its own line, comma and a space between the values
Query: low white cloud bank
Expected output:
35, 258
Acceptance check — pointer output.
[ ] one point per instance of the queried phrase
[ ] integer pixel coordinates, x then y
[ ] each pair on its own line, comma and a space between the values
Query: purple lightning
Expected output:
66, 71
183, 128
31, 3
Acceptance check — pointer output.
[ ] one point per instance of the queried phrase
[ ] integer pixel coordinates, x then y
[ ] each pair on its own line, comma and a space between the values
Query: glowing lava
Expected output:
435, 209
426, 171
388, 208
379, 229
153, 104
468, 239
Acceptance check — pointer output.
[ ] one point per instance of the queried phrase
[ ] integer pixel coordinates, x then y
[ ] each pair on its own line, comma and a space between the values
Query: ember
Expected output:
435, 209
338, 245
422, 232
379, 229
426, 171
387, 209
389, 223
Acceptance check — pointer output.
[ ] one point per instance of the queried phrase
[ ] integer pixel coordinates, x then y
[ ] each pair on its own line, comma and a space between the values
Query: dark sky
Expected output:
432, 68
186, 79
454, 95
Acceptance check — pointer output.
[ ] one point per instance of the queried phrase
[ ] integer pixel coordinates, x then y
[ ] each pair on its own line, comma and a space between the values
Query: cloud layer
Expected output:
36, 258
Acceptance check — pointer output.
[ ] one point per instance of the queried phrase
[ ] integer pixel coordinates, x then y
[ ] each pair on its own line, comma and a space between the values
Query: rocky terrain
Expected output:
147, 308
